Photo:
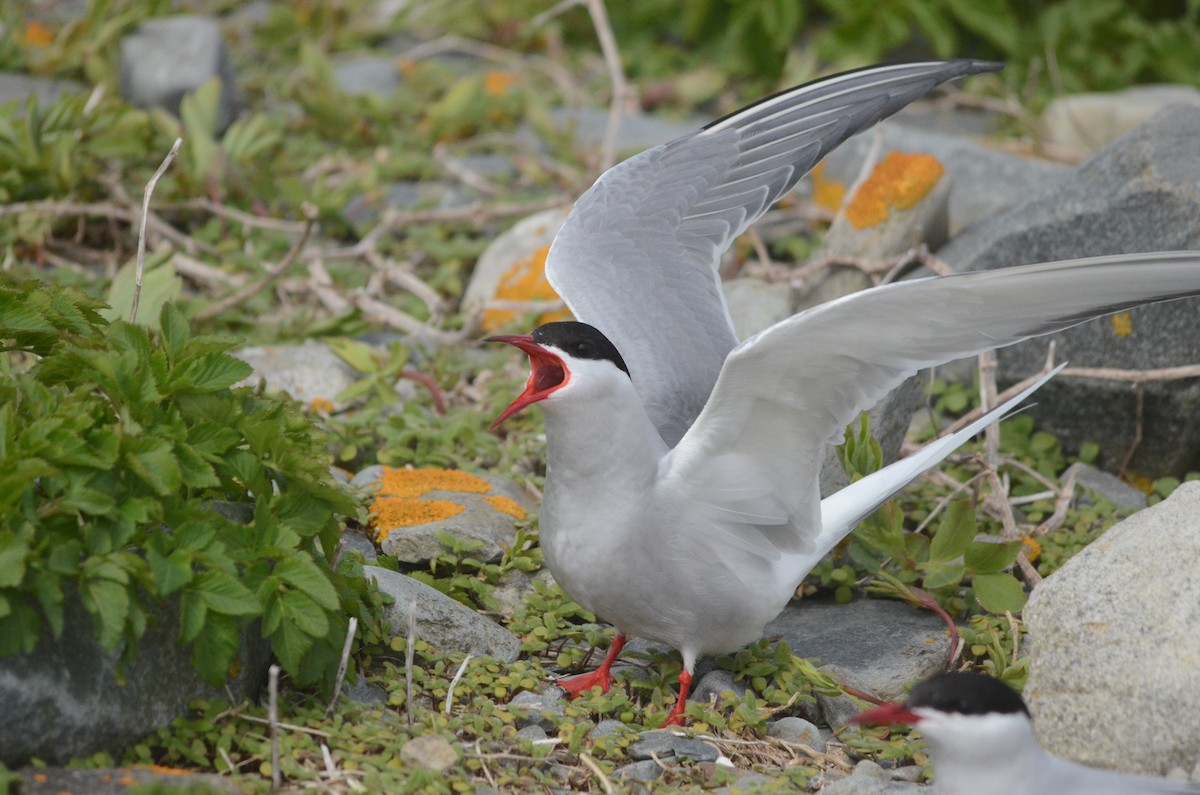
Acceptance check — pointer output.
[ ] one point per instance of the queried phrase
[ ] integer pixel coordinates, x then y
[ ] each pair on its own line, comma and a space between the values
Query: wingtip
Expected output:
975, 67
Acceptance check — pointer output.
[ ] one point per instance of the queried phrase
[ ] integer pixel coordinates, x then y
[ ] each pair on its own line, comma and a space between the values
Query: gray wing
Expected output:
637, 257
788, 391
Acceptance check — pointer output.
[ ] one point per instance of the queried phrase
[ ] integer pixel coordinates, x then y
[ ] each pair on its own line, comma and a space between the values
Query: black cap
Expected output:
580, 341
967, 693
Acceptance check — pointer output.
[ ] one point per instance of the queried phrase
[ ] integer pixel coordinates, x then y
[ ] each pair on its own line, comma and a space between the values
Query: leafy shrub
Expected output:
114, 443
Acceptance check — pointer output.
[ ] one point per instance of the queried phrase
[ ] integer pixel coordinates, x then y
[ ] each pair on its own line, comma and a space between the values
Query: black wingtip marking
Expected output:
954, 68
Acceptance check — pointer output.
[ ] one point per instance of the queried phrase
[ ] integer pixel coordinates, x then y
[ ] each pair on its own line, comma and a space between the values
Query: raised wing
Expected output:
637, 257
788, 391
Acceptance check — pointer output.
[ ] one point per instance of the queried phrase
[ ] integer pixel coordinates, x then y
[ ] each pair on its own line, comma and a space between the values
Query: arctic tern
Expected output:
681, 500
981, 742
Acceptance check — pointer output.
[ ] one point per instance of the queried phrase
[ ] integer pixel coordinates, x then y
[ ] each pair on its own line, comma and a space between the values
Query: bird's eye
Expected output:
584, 350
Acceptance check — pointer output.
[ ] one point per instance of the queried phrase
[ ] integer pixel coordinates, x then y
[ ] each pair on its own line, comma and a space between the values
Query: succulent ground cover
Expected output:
279, 228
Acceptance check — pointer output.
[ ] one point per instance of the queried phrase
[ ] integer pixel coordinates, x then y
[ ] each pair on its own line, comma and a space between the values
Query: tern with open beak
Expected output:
981, 742
681, 501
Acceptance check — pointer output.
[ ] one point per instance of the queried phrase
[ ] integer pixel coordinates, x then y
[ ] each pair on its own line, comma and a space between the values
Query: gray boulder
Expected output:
1140, 194
66, 698
445, 624
1114, 634
170, 57
306, 372
882, 644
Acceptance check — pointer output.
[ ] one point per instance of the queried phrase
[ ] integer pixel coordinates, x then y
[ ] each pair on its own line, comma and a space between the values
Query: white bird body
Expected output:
981, 742
682, 500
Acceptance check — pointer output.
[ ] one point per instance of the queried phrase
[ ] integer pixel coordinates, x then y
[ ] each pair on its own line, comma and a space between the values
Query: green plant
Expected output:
942, 563
114, 441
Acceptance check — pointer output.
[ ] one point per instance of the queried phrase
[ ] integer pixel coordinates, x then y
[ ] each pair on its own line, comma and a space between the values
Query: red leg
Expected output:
676, 716
601, 677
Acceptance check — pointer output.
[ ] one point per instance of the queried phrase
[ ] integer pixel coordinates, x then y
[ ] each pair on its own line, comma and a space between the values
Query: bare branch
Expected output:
273, 718
341, 671
230, 301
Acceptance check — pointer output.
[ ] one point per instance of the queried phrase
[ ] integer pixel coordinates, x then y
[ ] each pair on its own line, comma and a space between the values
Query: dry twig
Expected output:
341, 671
141, 246
273, 717
250, 290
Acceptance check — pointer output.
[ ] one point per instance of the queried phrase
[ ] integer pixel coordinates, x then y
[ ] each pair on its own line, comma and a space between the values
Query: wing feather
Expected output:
637, 257
788, 391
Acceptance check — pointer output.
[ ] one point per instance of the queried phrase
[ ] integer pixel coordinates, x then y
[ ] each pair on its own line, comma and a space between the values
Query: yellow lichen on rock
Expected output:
1122, 324
388, 513
899, 182
414, 483
827, 193
525, 280
506, 505
496, 84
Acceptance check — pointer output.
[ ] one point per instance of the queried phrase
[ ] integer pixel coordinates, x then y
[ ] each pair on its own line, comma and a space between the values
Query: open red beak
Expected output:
887, 715
547, 374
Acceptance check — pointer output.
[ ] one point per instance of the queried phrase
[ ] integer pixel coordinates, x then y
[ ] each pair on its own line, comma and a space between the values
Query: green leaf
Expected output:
939, 575
221, 593
998, 593
192, 615
108, 602
290, 644
215, 648
159, 285
175, 331
303, 613
153, 460
170, 572
955, 532
193, 469
359, 355
987, 557
14, 550
301, 572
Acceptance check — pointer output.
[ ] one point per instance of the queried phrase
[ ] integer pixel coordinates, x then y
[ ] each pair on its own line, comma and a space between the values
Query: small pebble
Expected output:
798, 730
606, 727
907, 773
663, 744
533, 732
431, 751
639, 771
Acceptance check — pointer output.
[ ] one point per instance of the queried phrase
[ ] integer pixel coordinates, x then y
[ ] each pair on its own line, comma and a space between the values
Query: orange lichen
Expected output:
320, 406
827, 193
40, 778
1122, 324
388, 513
419, 482
899, 182
37, 34
170, 771
1139, 482
1032, 548
524, 281
507, 505
496, 84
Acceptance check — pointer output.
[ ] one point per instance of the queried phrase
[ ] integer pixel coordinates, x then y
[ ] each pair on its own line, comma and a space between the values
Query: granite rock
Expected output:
169, 57
1114, 634
445, 624
1139, 194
